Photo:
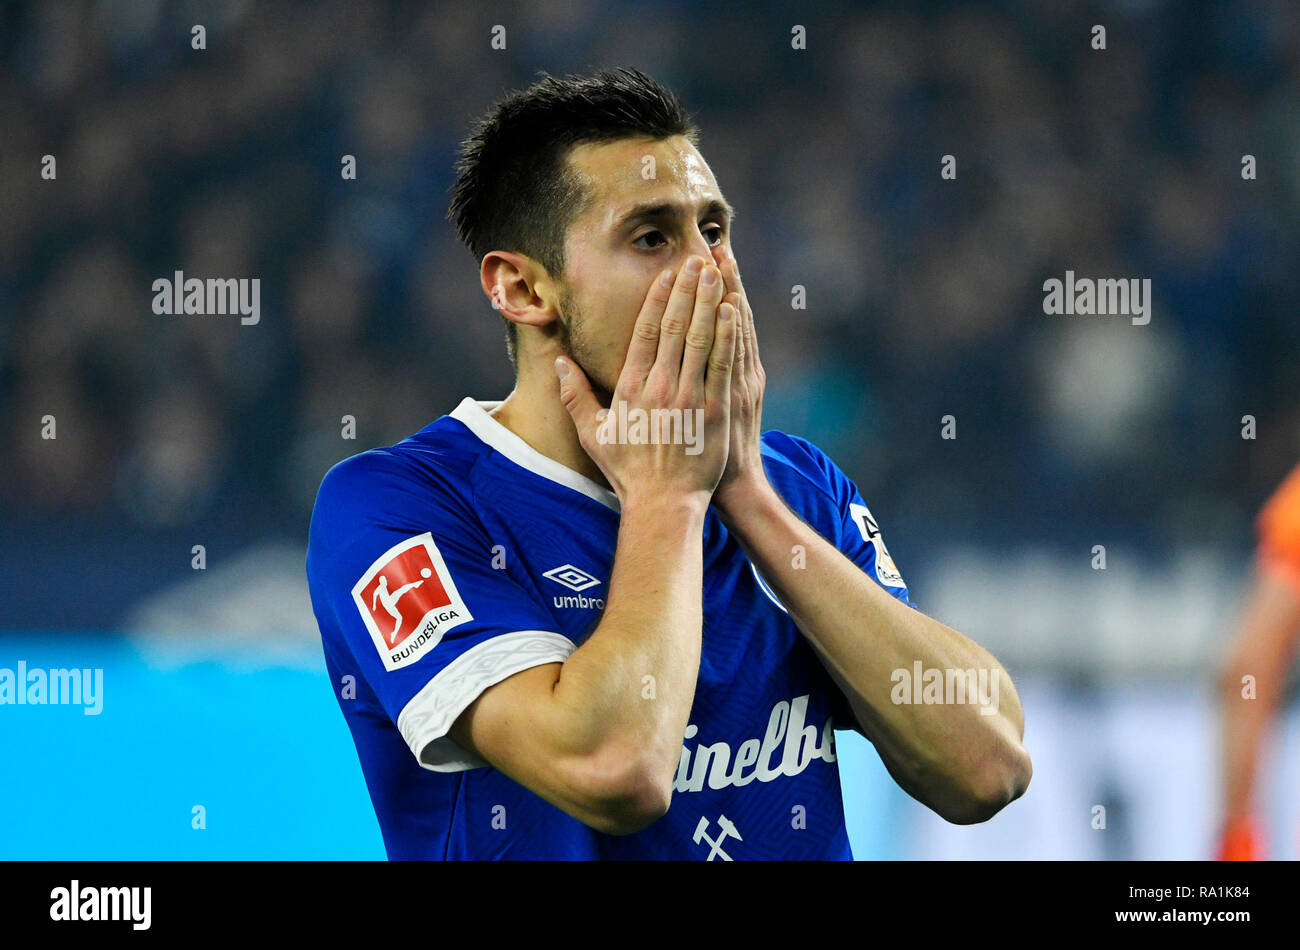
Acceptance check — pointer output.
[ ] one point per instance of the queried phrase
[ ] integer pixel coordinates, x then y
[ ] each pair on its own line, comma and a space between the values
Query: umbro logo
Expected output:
571, 577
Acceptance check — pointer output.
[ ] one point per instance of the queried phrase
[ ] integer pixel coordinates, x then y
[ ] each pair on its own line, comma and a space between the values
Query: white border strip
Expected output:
475, 417
424, 720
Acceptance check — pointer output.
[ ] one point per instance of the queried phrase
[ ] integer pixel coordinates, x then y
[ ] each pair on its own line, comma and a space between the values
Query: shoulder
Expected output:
427, 472
443, 451
1278, 523
799, 463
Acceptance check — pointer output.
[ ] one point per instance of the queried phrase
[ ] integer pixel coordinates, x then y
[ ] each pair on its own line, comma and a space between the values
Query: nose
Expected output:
696, 246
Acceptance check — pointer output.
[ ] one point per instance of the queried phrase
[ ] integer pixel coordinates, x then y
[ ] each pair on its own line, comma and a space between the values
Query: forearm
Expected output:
628, 690
947, 755
1251, 681
1245, 725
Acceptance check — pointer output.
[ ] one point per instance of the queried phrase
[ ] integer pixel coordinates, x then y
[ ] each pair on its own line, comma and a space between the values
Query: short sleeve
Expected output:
862, 541
1278, 527
404, 578
853, 528
830, 501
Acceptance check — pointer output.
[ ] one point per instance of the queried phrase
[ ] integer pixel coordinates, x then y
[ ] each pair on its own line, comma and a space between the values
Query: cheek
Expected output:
609, 289
609, 304
603, 334
626, 305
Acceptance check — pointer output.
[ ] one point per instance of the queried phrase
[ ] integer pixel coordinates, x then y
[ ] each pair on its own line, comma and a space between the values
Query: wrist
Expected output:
744, 495
687, 505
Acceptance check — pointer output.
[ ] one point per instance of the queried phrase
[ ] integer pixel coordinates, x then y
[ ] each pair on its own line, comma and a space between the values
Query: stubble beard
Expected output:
573, 342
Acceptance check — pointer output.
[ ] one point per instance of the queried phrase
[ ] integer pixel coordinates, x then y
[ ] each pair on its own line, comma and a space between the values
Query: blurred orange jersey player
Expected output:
1262, 649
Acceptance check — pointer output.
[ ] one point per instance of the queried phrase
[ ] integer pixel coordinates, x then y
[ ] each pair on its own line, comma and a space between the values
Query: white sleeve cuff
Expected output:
424, 721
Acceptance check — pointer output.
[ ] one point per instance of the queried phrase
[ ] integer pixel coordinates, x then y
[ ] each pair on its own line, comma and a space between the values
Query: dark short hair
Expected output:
515, 190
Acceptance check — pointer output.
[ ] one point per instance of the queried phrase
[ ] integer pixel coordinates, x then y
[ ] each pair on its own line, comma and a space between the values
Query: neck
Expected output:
533, 412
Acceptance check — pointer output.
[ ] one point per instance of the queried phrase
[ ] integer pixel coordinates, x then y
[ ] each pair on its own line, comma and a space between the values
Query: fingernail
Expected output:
709, 278
666, 278
694, 265
561, 368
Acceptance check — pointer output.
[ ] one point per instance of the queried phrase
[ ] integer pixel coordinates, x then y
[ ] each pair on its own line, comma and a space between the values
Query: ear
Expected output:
519, 288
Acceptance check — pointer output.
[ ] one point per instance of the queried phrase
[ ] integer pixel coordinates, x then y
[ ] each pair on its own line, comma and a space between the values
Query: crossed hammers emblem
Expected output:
715, 844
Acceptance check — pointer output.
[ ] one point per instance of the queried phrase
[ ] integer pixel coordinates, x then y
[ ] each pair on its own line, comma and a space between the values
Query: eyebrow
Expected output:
658, 210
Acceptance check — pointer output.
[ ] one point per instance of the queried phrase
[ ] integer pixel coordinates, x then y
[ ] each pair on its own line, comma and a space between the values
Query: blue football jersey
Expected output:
445, 563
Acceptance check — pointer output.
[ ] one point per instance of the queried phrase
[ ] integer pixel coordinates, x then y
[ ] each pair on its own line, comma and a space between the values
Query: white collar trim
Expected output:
474, 414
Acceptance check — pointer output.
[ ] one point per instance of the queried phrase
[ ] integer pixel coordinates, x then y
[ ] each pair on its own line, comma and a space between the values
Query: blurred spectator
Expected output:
923, 295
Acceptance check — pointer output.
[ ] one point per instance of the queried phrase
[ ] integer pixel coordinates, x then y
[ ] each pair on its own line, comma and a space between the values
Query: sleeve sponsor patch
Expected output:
886, 571
409, 601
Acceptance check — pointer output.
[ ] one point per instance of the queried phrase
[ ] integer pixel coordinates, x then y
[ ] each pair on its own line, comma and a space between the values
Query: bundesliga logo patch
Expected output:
408, 601
886, 570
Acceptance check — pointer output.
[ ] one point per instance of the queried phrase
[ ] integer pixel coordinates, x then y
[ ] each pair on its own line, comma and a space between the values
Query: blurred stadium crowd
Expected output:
924, 296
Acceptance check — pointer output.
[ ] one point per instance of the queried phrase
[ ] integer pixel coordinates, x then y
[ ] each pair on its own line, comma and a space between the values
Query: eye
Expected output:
658, 234
718, 229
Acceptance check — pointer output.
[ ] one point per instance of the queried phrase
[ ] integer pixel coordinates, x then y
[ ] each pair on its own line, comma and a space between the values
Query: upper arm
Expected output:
468, 674
402, 578
1270, 624
1269, 628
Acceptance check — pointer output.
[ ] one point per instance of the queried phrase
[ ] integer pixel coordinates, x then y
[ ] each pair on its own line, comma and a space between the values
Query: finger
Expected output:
645, 334
731, 276
717, 385
738, 368
751, 336
699, 338
576, 394
677, 318
745, 329
745, 315
733, 298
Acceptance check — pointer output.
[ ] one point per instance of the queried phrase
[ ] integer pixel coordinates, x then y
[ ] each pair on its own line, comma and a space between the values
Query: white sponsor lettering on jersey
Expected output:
797, 743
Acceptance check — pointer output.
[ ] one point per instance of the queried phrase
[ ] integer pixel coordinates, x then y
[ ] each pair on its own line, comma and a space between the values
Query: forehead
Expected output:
614, 173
